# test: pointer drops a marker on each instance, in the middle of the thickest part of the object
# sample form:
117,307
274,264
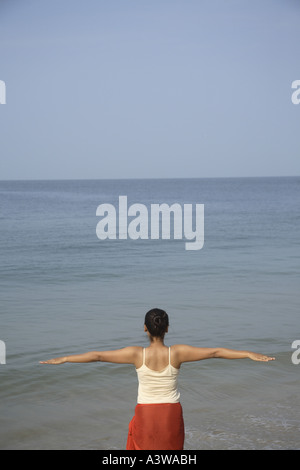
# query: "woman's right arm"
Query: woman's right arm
127,355
185,353
92,356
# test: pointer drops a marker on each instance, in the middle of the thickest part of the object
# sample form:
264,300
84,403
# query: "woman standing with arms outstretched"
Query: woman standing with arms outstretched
158,421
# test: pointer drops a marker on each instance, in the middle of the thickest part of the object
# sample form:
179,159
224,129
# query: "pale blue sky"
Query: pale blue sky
149,88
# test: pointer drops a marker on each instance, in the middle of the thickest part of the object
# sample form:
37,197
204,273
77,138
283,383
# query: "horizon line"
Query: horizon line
147,178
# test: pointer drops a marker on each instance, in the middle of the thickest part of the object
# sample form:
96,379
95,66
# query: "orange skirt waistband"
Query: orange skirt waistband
156,427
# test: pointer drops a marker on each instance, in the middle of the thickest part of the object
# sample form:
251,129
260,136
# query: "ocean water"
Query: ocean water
64,291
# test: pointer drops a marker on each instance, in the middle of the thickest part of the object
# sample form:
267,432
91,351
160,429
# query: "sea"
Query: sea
63,291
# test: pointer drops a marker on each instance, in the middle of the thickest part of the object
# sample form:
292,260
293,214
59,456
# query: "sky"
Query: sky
149,88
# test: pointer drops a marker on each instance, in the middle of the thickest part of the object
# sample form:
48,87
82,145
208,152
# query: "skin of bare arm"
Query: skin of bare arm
128,355
181,353
185,353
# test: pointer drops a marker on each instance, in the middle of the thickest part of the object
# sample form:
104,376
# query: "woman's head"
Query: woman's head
157,322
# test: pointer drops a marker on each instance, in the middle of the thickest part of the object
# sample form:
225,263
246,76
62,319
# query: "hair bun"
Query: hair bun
157,322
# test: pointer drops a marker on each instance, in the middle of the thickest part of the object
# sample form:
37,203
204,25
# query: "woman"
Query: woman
158,421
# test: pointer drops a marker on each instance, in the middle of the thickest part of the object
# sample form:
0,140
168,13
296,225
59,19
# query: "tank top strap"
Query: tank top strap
144,355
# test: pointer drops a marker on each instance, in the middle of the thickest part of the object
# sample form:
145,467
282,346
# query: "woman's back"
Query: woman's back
157,378
156,358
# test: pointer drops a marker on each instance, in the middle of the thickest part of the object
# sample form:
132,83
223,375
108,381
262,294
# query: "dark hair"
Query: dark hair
157,322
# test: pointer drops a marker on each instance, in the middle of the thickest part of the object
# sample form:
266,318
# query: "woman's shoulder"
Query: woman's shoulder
177,351
135,350
187,353
175,348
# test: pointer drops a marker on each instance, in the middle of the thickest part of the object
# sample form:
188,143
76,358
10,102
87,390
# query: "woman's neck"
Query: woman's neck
155,341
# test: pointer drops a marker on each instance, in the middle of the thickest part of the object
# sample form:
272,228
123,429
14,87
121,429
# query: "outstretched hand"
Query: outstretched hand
260,357
56,361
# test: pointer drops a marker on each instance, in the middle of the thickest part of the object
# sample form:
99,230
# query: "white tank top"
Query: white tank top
157,386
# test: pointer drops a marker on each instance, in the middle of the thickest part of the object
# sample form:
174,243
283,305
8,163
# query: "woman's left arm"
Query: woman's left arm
185,353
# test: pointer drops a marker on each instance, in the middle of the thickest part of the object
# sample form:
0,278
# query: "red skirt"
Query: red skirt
156,427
